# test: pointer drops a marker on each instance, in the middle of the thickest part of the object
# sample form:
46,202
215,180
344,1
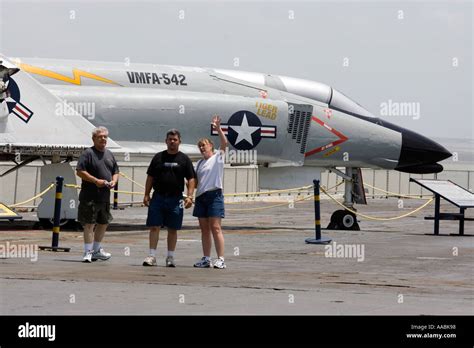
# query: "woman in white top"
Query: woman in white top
209,206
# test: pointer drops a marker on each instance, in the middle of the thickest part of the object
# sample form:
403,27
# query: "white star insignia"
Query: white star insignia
244,131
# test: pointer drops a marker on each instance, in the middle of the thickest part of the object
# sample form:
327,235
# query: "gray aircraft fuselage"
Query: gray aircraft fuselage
284,119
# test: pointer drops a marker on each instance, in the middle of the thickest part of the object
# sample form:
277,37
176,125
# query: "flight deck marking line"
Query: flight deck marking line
75,80
342,138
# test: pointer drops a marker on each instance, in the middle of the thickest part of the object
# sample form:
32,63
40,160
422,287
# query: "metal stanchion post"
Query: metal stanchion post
57,218
115,207
317,218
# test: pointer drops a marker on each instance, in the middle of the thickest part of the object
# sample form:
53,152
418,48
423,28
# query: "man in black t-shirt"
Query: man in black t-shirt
166,175
99,173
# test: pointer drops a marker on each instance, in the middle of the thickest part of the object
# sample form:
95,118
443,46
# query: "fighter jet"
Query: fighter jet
295,126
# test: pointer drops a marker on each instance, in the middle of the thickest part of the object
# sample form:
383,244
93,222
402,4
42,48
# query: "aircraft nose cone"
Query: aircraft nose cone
421,152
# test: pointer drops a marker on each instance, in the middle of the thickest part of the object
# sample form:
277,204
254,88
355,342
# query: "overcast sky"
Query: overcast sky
377,53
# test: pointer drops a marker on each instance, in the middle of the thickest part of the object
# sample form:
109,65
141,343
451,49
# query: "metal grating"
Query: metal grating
291,121
298,124
305,131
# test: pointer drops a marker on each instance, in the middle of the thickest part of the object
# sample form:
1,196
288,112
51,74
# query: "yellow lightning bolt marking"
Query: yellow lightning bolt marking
77,74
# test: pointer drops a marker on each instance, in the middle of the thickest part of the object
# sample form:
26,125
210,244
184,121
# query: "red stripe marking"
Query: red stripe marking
21,111
342,138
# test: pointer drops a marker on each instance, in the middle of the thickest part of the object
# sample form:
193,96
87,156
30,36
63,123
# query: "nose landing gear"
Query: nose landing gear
343,220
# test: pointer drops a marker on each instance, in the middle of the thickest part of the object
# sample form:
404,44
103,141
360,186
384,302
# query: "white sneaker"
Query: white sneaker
170,262
219,263
101,254
149,261
203,263
87,257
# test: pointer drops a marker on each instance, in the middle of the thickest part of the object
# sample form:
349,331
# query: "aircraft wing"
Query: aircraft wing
34,121
138,151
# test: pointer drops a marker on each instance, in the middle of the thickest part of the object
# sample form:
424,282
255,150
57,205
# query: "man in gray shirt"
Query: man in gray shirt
99,172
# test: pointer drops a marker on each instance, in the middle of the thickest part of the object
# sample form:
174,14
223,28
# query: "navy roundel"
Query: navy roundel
244,130
14,94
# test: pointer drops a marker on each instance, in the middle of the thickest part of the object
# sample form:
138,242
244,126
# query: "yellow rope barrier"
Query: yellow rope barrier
128,192
382,190
285,203
32,199
261,193
129,178
119,191
310,186
395,194
257,194
272,206
261,208
266,192
337,185
376,218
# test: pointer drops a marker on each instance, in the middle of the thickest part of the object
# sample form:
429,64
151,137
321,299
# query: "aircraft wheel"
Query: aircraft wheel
343,220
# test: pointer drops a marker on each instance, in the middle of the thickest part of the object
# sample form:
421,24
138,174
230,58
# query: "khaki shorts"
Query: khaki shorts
90,212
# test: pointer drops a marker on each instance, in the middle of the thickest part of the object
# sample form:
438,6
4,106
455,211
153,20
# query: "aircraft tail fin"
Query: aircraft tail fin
34,121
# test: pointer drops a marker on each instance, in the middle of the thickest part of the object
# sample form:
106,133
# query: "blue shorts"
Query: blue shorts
209,204
165,211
